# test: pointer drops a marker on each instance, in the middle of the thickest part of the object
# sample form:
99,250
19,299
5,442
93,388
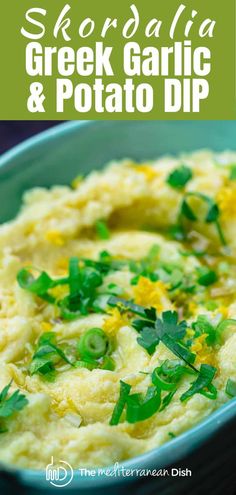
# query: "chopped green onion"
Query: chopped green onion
177,232
119,407
169,374
206,276
203,326
167,399
82,282
193,253
179,350
146,266
102,230
93,344
66,312
139,408
108,364
46,356
221,327
80,301
231,388
160,382
40,285
135,308
203,384
74,276
232,172
89,364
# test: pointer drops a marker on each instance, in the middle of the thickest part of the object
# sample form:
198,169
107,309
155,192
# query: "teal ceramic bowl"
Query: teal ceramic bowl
57,156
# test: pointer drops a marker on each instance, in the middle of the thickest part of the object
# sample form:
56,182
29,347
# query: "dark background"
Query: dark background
14,131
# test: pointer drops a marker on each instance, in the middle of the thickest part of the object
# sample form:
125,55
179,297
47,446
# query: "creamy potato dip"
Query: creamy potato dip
96,377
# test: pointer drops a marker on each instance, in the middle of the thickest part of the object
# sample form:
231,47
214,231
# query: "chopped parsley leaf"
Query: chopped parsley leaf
10,404
212,215
152,329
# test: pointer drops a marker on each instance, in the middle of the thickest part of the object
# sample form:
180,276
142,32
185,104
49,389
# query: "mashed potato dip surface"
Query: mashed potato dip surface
117,311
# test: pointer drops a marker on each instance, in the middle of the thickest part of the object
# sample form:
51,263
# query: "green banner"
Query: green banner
137,59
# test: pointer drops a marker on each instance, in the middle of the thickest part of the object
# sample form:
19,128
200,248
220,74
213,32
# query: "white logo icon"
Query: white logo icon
59,476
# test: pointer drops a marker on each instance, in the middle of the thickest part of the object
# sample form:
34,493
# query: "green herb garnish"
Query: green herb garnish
119,407
82,281
167,377
206,276
10,404
203,384
180,177
233,172
89,364
152,329
39,286
146,267
221,327
214,333
198,254
102,230
177,232
108,364
212,215
46,356
140,408
93,344
231,388
203,326
128,305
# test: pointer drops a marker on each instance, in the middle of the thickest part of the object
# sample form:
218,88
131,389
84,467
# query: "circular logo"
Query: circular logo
61,475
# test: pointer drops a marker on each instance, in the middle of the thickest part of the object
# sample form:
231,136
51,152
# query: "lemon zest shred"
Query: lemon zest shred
148,293
115,321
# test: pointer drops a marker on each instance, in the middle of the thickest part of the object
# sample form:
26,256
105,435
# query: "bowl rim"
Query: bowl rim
159,457
55,131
